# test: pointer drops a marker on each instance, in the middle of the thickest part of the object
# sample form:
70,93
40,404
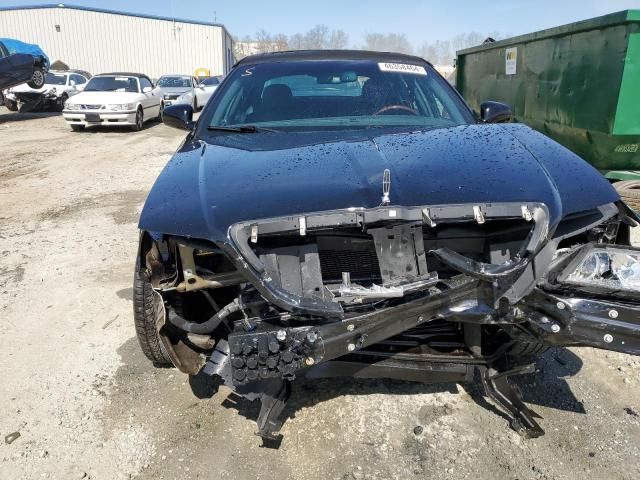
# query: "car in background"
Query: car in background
205,88
114,99
58,87
172,87
22,62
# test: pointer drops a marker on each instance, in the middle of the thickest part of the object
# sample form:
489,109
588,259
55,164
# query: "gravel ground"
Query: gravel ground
87,404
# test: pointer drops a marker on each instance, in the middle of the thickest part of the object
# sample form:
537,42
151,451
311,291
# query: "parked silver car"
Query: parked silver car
201,95
172,87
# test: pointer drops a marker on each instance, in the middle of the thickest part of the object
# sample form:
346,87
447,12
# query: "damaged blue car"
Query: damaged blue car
22,63
345,213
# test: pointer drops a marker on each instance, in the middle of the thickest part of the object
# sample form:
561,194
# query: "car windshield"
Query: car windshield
55,79
210,81
112,84
342,94
174,82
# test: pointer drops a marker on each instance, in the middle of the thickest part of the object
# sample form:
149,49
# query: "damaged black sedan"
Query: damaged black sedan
347,214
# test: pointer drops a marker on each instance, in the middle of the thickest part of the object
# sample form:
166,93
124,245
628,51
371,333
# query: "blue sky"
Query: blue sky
421,20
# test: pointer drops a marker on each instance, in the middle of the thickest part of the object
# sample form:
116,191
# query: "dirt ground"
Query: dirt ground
87,404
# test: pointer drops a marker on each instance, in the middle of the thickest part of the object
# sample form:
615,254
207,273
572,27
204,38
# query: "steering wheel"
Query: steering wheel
388,108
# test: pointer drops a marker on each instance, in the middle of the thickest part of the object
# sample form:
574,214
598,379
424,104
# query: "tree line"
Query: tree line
320,37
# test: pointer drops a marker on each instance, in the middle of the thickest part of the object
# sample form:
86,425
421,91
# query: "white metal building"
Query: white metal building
99,40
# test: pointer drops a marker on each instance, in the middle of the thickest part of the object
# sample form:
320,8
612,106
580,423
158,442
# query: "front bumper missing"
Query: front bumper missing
242,234
324,337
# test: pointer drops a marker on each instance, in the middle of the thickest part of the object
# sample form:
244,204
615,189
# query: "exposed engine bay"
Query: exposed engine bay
432,293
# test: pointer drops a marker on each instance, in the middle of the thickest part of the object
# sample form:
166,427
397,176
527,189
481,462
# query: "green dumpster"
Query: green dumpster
578,84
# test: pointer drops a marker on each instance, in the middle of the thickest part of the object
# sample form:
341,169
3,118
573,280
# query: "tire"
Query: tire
195,104
11,105
139,120
144,316
630,192
60,102
77,128
525,349
37,79
161,112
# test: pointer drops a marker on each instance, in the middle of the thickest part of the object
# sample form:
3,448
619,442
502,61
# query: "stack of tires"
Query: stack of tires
629,190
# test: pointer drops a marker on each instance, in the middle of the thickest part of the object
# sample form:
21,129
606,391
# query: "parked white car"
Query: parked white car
203,92
114,99
59,86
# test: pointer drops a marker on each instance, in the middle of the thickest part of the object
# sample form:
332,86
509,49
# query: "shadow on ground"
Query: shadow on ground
140,385
547,387
7,116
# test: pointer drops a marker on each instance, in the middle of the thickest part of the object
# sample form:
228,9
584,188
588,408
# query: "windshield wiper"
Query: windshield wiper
240,129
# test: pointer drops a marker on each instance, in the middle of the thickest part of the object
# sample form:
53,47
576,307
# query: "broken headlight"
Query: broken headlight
608,267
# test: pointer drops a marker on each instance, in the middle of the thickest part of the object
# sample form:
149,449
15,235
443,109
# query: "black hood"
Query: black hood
224,178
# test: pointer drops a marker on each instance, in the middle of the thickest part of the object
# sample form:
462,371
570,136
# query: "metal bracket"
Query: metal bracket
497,387
274,399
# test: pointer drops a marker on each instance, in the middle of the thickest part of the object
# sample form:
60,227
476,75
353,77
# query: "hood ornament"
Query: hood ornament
386,187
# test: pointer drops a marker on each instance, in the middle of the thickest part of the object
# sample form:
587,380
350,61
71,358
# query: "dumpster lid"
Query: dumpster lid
624,16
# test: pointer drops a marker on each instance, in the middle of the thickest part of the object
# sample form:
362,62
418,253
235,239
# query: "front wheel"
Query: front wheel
11,105
77,128
60,102
147,306
630,193
524,348
161,112
37,79
139,120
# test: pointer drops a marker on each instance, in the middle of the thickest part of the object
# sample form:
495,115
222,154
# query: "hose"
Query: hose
208,326
211,324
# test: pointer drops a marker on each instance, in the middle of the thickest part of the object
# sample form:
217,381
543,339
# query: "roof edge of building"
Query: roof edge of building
114,12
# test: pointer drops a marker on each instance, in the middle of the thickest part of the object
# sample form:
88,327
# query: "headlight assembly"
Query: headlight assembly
71,106
607,267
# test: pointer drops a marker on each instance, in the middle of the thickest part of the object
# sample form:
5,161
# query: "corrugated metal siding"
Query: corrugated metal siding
103,42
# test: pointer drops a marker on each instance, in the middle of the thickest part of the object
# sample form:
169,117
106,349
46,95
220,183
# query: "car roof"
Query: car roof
176,75
124,74
72,70
302,55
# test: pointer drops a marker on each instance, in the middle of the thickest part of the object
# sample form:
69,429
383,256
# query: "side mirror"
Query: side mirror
179,116
72,83
495,112
80,88
147,89
201,86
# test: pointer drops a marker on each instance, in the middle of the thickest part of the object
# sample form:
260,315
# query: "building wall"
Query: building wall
104,42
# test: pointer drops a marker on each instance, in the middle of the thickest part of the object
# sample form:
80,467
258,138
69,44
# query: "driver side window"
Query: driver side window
79,79
3,51
144,83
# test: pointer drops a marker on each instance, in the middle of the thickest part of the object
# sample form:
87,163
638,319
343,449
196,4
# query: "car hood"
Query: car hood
92,98
209,185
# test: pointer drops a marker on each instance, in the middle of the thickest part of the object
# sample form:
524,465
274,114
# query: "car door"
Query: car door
79,82
150,100
14,69
200,93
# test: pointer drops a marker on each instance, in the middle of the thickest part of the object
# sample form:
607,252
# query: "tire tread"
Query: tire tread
144,317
